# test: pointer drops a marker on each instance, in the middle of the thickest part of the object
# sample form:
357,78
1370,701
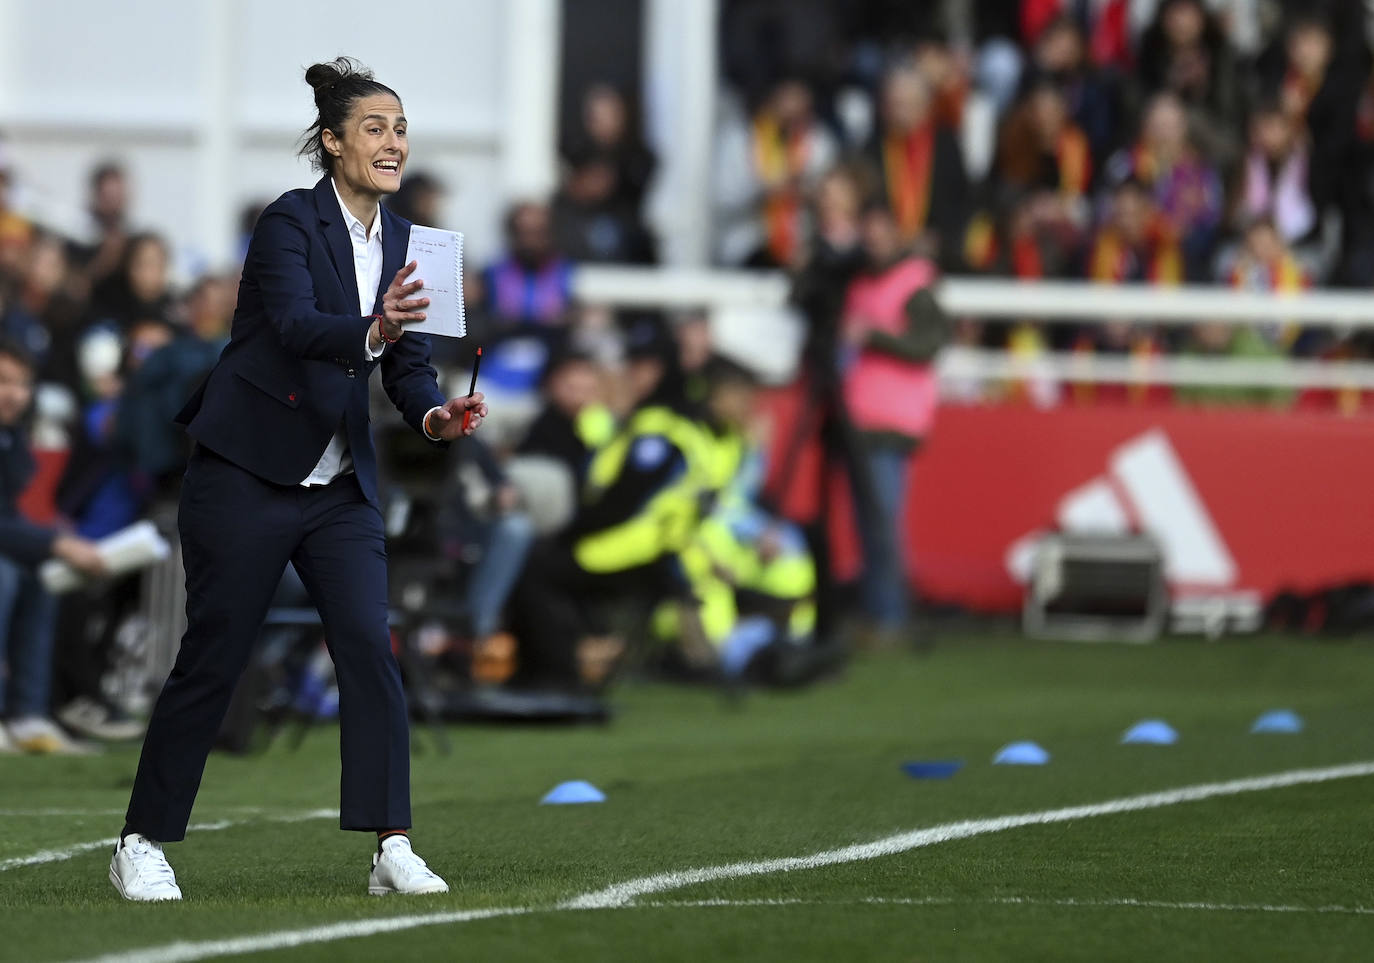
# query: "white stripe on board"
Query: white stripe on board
623,894
76,849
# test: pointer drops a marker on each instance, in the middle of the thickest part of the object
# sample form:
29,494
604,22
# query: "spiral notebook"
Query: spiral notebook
440,265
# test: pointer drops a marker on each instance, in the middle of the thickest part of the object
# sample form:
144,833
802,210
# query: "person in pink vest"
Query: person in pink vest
891,327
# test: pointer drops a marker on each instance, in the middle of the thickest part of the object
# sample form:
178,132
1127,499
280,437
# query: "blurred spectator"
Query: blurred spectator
27,610
948,77
751,575
1264,263
1221,340
593,219
1105,22
923,177
695,352
1041,148
1060,57
1134,242
1186,189
148,438
1185,52
99,491
418,199
834,257
52,314
892,329
1276,179
561,431
532,283
108,206
1309,48
640,505
764,174
610,134
483,510
140,287
1034,234
15,229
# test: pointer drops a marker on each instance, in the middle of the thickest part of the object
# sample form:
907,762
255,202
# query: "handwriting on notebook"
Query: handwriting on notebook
439,257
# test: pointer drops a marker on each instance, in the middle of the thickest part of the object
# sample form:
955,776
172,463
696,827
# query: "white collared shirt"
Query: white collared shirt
367,271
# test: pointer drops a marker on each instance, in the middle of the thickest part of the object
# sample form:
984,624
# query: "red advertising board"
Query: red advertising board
1241,499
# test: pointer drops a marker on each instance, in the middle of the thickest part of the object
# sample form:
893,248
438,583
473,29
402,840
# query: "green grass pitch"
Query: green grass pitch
1283,874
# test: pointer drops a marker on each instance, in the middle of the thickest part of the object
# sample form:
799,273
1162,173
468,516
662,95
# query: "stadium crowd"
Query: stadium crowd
619,490
1154,141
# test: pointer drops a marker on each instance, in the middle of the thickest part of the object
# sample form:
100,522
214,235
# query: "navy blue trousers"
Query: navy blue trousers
237,534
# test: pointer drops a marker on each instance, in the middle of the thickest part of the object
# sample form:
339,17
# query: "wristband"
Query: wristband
381,328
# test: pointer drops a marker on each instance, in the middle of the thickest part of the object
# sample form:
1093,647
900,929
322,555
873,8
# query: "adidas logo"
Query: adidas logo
1145,488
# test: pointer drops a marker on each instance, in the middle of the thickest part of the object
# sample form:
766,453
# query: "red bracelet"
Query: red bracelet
381,329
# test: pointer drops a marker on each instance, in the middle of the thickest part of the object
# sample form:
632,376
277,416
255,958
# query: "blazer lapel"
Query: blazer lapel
336,234
395,242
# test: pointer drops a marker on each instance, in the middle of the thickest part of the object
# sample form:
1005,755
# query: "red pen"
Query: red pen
472,388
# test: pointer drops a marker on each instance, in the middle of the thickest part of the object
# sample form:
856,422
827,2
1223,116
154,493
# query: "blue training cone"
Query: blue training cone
932,769
1150,732
1278,720
1021,754
570,793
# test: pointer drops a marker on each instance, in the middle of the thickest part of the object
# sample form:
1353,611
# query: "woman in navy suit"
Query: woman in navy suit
284,470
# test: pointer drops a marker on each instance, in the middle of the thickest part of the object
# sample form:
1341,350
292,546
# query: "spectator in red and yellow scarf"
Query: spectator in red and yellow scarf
1135,243
923,176
1185,187
765,176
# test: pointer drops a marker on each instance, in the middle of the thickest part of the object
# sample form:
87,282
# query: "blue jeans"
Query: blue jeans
28,615
503,559
884,584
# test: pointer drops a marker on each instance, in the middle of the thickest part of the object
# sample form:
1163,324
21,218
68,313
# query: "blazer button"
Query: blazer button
350,372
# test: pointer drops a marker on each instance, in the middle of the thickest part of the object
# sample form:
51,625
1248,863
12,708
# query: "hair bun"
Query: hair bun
325,75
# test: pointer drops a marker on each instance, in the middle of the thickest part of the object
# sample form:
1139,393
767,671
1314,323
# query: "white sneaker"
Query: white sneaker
7,746
140,871
398,870
43,736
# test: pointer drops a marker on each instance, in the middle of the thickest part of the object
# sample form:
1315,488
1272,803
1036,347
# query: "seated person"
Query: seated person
751,575
639,506
27,610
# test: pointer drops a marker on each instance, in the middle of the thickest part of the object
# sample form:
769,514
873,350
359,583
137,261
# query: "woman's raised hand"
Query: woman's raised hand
398,307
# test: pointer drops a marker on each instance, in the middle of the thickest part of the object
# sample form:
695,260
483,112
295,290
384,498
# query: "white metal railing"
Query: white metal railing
961,364
754,324
1050,301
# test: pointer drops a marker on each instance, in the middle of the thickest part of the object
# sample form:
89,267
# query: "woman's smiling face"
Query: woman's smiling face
371,153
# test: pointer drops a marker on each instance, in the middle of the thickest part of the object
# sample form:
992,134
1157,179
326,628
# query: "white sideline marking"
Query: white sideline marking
286,939
256,810
76,849
622,895
61,812
1015,901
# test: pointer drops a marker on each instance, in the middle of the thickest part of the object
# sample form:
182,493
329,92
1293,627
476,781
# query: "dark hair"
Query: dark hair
16,352
103,170
337,85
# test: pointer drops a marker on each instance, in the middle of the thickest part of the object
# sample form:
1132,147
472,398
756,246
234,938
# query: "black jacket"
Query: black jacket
294,367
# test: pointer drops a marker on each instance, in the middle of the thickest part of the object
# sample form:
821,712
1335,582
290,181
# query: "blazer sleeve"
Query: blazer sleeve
410,381
277,257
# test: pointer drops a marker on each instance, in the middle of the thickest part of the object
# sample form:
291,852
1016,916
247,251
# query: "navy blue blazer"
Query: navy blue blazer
295,367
